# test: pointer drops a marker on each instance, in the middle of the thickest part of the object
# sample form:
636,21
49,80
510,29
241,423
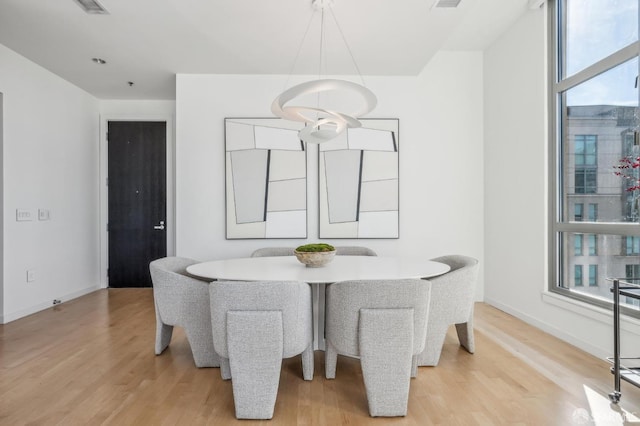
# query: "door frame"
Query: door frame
104,193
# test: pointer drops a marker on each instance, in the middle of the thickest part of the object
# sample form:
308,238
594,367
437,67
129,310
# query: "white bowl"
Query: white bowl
315,259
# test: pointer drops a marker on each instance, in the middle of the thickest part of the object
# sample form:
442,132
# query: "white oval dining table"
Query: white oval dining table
341,268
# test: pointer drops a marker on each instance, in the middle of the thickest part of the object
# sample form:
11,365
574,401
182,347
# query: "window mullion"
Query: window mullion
611,61
616,228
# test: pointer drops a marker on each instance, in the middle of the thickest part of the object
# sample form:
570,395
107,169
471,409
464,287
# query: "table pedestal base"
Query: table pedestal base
317,299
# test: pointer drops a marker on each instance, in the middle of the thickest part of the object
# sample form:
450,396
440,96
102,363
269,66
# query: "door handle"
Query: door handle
161,226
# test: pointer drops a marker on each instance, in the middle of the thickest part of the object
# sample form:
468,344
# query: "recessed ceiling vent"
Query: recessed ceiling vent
447,3
92,7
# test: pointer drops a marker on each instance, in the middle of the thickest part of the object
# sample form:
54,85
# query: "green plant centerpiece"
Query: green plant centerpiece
316,247
315,255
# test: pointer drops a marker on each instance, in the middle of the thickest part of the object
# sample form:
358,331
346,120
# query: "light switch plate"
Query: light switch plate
23,215
43,214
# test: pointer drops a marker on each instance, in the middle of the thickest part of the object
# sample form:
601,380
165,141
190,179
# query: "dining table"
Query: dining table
341,268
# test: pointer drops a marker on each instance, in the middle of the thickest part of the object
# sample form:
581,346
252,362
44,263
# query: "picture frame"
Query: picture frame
358,178
265,179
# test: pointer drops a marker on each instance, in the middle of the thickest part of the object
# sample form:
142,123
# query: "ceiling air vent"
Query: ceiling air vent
92,6
446,3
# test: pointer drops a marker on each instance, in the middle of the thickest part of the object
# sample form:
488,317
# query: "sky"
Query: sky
596,29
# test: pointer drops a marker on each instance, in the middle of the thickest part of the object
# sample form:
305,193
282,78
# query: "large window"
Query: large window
595,146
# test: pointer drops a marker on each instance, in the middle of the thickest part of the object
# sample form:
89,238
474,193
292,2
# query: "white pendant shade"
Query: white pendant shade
333,123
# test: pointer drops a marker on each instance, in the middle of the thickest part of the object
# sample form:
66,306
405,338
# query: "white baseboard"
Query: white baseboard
551,329
12,316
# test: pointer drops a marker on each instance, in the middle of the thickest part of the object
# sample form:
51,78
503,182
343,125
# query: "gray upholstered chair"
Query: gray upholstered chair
255,325
273,251
383,323
183,301
354,251
288,251
452,297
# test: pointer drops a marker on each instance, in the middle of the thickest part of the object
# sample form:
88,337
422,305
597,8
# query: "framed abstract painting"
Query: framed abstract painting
266,179
359,182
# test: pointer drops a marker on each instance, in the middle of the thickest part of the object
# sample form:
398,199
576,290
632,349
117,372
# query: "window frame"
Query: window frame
575,210
578,245
592,244
578,275
635,246
560,228
589,178
586,140
593,275
634,268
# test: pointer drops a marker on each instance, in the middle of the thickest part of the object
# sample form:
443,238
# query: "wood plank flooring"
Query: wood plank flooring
90,361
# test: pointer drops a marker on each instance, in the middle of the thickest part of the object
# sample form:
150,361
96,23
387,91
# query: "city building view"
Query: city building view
600,180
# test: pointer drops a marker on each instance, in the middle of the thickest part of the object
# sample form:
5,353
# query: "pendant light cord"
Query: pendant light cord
321,43
320,55
295,61
344,40
347,44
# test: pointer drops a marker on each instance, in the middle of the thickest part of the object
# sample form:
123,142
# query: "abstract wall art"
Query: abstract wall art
358,182
266,179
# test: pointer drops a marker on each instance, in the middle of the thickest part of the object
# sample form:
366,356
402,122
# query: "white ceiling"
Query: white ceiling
149,41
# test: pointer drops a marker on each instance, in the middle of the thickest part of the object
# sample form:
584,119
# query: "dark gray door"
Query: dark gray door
137,200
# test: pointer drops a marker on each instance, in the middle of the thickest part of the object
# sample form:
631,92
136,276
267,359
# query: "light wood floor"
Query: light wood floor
90,361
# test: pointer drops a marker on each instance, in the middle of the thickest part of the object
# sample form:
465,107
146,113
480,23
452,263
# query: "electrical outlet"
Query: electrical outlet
31,275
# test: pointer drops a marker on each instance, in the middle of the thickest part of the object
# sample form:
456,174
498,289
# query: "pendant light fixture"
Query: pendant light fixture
324,124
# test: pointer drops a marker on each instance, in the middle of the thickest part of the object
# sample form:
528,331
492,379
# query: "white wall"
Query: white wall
137,109
441,164
516,193
50,161
1,209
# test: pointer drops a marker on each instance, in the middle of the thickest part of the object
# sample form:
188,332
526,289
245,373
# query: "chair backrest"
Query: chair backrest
345,299
170,265
173,288
273,251
288,251
292,298
354,251
453,294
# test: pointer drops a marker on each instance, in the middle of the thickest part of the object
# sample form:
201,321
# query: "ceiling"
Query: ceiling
148,42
